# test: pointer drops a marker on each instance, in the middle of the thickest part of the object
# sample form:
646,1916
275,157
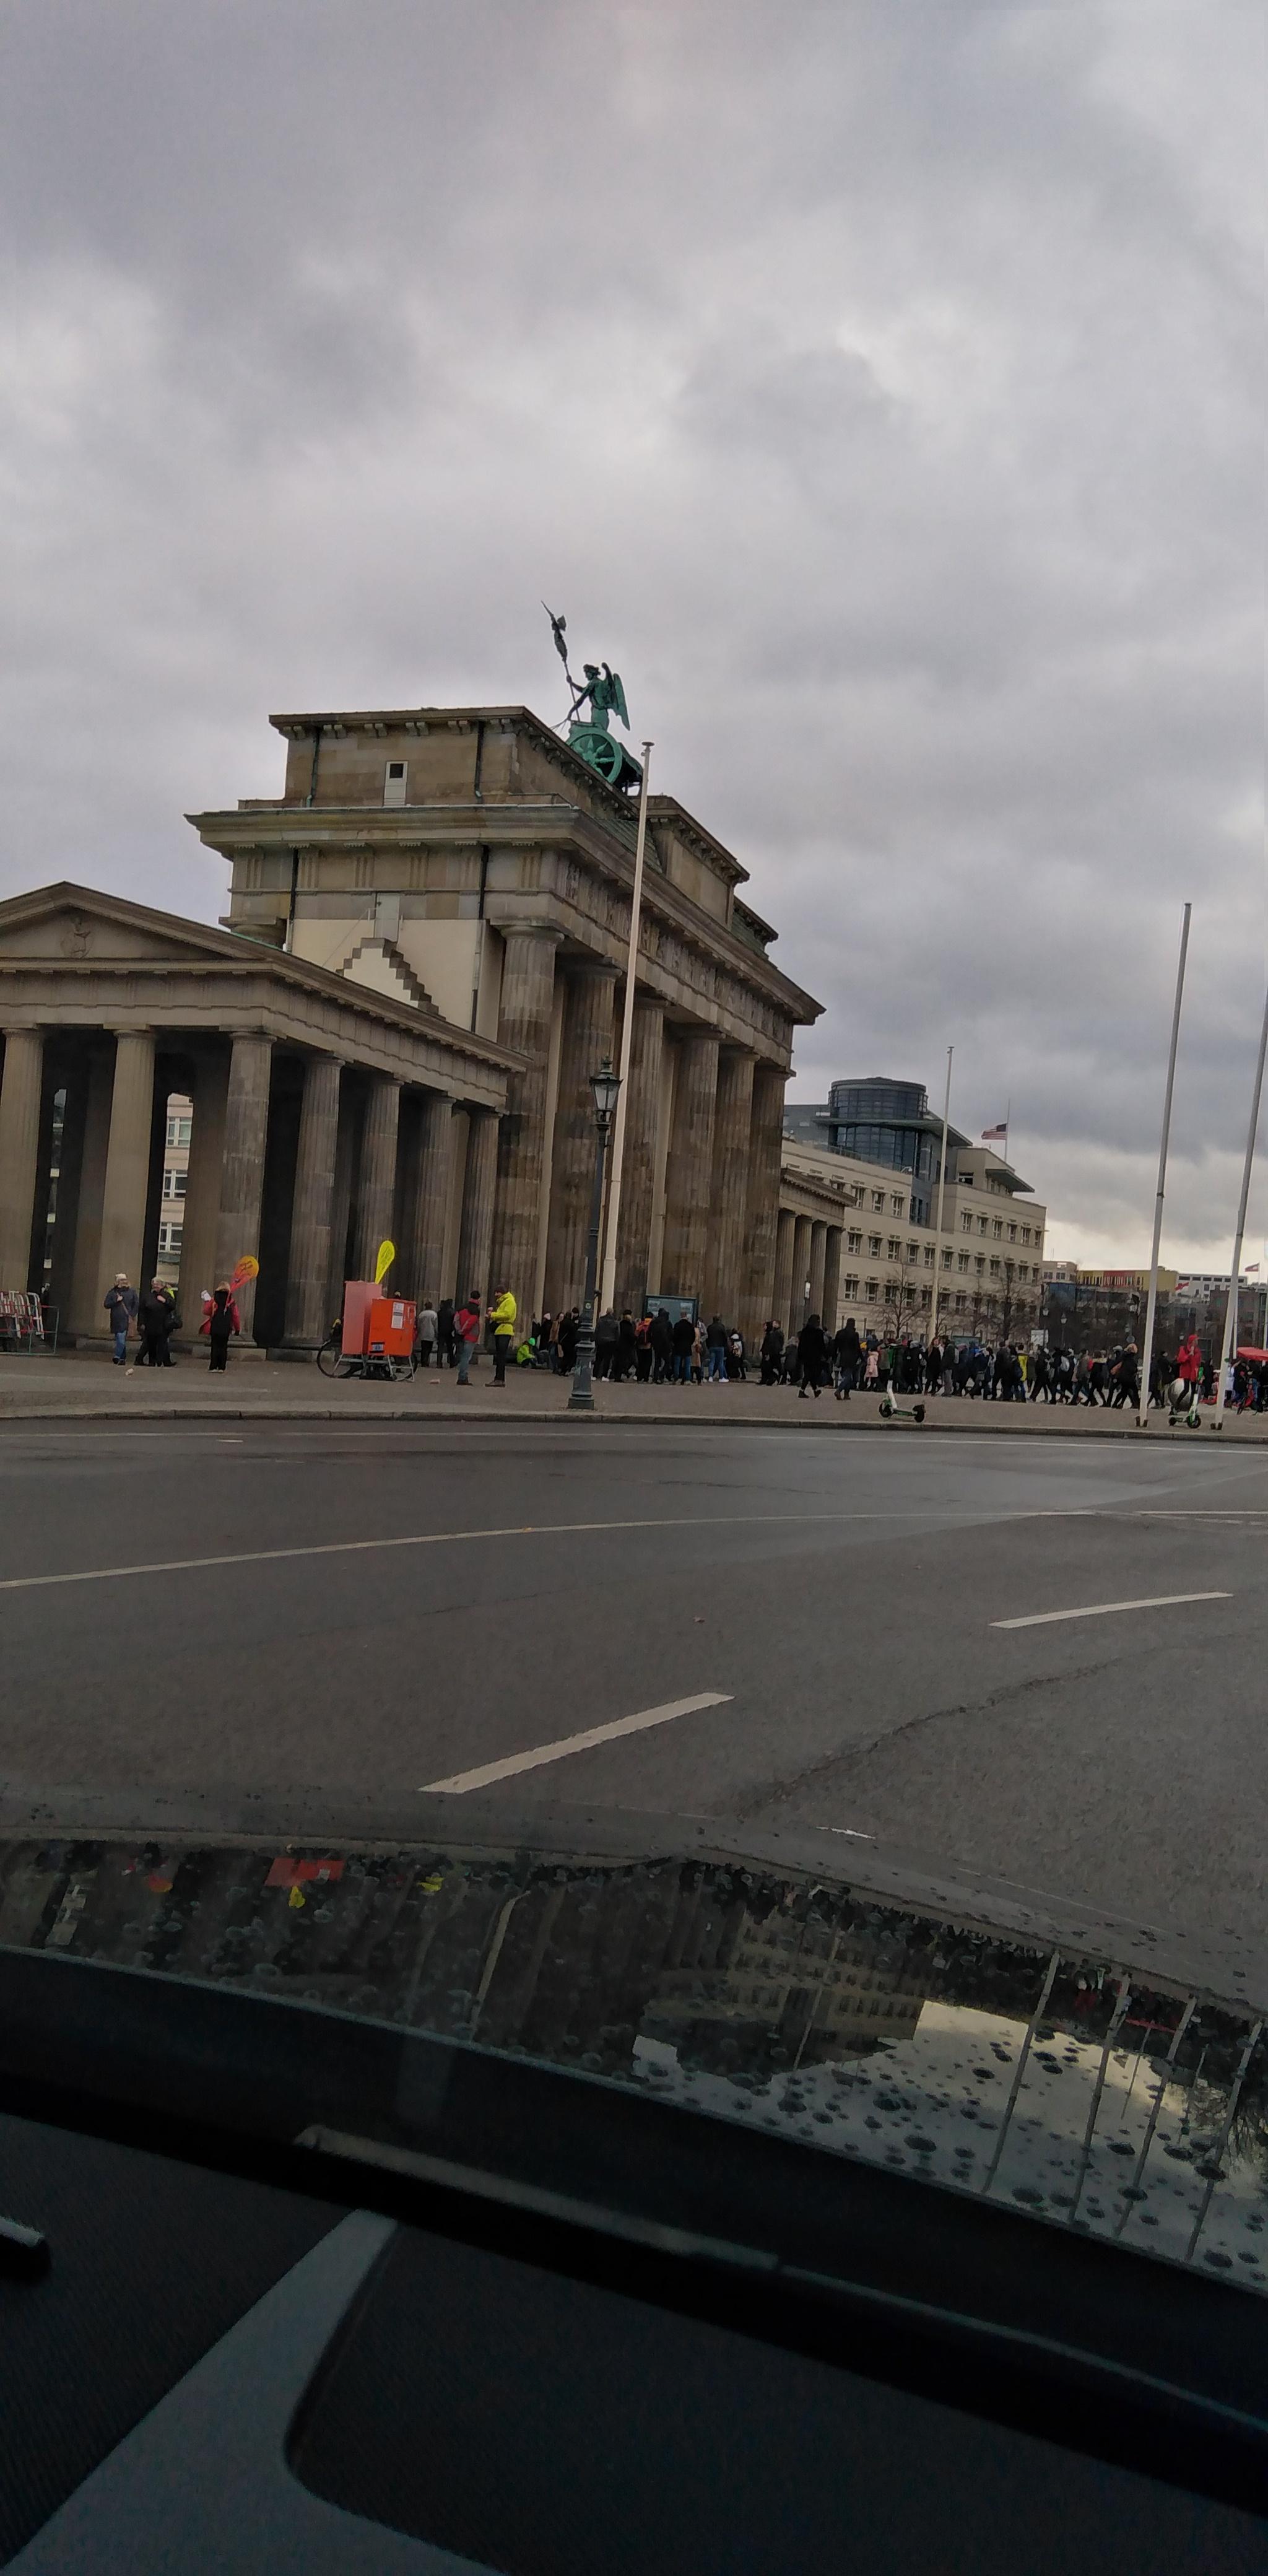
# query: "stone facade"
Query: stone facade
464,860
325,1114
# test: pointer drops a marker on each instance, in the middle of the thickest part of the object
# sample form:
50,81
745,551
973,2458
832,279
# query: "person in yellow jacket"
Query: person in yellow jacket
502,1314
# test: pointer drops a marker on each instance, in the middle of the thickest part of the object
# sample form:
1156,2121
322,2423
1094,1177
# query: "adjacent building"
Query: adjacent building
858,1221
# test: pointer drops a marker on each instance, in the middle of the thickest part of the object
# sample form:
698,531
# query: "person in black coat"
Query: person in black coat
684,1344
847,1351
812,1352
772,1352
660,1335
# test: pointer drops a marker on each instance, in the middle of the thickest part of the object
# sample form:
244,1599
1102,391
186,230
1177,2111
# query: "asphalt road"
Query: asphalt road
402,1607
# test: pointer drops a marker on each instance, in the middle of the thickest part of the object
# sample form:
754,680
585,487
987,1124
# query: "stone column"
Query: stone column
832,1280
638,1178
201,1219
684,1262
727,1263
818,1256
20,1092
478,1185
127,1184
802,1236
587,1039
765,1155
782,1302
88,1287
242,1171
376,1188
69,1177
528,992
433,1186
307,1322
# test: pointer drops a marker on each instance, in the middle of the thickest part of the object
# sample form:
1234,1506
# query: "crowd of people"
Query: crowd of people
658,1348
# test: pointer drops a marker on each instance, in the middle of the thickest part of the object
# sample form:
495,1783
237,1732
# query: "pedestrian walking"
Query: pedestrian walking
467,1327
120,1303
219,1324
812,1351
446,1338
660,1334
428,1324
156,1322
643,1353
715,1347
684,1342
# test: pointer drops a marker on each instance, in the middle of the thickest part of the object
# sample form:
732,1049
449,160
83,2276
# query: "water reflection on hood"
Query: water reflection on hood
1055,2081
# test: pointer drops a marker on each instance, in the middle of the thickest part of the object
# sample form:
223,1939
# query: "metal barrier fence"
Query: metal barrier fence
26,1324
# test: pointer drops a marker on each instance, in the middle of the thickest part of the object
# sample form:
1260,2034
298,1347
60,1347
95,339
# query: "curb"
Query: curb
954,1424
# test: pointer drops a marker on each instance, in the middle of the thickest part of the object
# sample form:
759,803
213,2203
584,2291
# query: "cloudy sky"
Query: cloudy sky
879,386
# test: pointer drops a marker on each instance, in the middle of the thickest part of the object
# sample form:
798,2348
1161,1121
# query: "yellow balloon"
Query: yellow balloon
387,1255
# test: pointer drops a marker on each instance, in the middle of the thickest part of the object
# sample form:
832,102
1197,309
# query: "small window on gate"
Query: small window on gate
394,783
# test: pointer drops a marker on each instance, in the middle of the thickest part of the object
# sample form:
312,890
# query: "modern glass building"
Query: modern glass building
881,1121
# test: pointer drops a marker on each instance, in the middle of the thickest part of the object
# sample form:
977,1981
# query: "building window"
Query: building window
1012,1234
894,1248
175,1184
897,1204
872,1291
946,1256
961,1302
394,783
1025,1234
878,1202
170,1237
980,1265
874,1246
997,1229
981,1225
926,1296
930,1256
854,1241
966,1225
852,1284
179,1130
962,1262
995,1267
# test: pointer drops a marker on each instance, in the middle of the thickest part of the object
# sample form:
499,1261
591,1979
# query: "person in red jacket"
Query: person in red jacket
467,1324
1189,1360
221,1319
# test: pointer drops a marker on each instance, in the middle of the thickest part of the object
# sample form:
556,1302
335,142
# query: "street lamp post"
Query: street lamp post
605,1085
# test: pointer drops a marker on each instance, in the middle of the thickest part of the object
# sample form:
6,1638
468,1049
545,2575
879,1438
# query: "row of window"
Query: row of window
995,1226
867,1291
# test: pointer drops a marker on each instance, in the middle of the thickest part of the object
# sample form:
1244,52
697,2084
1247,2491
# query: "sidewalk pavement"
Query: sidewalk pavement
85,1386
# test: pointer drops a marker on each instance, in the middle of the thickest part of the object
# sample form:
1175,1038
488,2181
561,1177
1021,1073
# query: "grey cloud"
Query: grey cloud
881,389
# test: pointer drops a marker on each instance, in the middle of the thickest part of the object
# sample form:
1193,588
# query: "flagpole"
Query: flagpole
607,1287
1146,1356
942,1184
1232,1310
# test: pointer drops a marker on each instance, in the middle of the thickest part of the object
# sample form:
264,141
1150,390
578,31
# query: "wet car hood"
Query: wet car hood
1061,2075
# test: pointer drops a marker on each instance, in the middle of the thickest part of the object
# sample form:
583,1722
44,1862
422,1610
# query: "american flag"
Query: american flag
991,1135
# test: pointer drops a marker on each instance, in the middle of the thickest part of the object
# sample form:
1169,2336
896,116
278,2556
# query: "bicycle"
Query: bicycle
334,1361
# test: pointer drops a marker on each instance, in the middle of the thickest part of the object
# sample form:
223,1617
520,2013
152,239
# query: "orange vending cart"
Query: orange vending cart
378,1331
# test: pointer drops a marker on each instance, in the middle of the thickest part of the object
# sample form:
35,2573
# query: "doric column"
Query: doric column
818,1256
376,1187
20,1089
200,1220
725,1277
127,1184
433,1188
801,1272
307,1321
766,1145
528,992
638,1177
782,1303
685,1259
242,1171
832,1280
88,1286
479,1182
587,1039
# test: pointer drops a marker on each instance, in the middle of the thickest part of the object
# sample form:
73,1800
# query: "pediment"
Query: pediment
65,924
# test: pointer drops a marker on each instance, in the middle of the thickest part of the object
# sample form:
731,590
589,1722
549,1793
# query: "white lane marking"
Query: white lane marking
488,1772
450,1538
1104,1609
